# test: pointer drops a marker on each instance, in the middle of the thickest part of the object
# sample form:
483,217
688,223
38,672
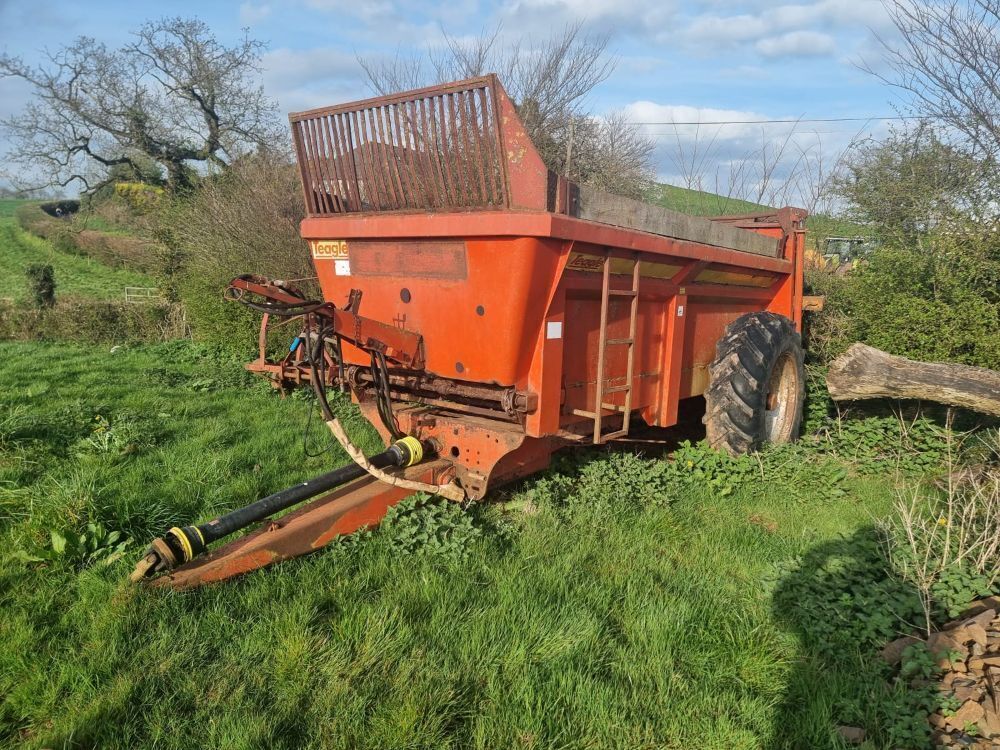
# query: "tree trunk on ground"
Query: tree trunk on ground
865,372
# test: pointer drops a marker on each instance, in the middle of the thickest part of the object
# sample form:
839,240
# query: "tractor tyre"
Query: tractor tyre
756,391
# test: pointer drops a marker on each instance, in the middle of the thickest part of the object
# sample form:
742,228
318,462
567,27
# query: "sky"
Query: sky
676,62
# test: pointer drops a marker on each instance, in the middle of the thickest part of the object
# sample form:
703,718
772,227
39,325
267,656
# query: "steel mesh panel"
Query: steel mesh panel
434,149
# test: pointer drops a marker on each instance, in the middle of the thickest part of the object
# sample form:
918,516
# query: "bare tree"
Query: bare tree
947,58
769,174
549,81
692,154
610,153
812,184
175,95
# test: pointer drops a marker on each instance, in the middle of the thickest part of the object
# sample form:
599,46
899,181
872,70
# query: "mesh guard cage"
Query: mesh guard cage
430,149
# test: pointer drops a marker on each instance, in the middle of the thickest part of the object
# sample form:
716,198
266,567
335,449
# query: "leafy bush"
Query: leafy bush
620,481
427,525
875,444
931,291
614,481
140,197
924,304
95,545
42,284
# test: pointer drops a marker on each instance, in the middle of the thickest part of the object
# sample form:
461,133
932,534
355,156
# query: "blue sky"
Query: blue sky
677,61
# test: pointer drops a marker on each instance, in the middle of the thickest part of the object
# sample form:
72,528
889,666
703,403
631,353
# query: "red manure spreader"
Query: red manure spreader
484,312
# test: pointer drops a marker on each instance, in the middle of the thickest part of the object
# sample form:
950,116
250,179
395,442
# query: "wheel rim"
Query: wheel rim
782,391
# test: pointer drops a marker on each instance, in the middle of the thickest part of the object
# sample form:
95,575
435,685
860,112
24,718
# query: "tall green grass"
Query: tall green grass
8,206
590,625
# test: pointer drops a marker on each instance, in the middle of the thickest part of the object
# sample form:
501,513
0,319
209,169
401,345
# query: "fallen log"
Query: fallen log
865,372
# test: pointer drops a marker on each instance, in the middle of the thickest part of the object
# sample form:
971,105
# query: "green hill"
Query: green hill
699,203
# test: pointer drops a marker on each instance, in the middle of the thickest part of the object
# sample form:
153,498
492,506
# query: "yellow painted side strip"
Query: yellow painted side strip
732,278
620,266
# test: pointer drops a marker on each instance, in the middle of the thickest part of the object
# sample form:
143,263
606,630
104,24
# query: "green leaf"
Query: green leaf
58,542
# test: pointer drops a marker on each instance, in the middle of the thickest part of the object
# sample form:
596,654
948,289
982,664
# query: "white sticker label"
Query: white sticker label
553,330
680,310
342,267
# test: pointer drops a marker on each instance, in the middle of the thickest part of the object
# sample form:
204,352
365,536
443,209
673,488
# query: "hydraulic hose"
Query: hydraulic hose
182,544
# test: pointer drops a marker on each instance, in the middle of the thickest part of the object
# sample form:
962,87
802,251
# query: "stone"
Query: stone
943,740
961,681
990,723
942,643
853,735
937,721
893,652
968,693
976,664
969,713
975,633
989,602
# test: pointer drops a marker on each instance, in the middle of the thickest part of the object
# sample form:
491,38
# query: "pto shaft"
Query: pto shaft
181,545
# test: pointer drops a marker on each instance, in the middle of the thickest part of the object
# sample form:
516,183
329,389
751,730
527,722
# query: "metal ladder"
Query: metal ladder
602,345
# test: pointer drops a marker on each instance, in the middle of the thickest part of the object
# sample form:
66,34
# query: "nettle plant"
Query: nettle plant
427,525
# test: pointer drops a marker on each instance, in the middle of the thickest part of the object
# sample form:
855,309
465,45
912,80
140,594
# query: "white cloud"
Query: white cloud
366,10
303,79
803,29
252,13
287,68
797,44
726,29
647,111
540,16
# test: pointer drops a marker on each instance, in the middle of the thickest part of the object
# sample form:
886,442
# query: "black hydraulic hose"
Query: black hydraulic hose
268,506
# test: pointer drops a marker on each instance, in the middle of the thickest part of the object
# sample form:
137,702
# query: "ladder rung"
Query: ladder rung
612,407
618,389
582,413
613,435
622,292
612,342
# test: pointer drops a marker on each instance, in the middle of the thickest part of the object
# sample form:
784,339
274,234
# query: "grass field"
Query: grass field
75,274
594,622
618,611
700,203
